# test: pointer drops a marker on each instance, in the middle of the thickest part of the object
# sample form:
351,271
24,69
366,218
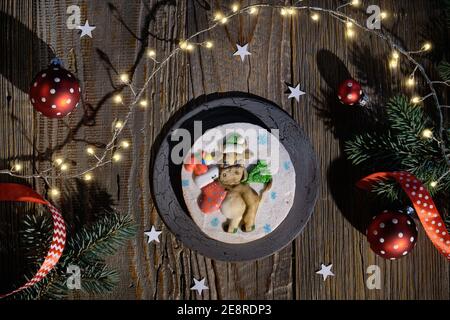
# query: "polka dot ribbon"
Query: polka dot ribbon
19,193
423,204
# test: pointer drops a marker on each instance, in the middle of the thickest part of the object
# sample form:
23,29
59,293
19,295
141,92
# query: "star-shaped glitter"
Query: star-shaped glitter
153,235
199,286
296,92
86,30
325,271
242,51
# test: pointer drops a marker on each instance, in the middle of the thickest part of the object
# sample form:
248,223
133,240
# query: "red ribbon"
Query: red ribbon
423,204
20,193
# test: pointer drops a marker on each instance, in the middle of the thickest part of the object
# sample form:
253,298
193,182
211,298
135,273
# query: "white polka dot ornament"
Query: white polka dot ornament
55,92
392,235
432,222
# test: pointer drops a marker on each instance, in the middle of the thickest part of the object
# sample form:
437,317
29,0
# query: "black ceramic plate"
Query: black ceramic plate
218,110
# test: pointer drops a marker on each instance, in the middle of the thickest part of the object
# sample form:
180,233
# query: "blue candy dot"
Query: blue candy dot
273,195
185,183
287,165
262,139
267,228
215,222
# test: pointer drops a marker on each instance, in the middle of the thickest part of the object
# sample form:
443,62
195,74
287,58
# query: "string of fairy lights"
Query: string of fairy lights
113,152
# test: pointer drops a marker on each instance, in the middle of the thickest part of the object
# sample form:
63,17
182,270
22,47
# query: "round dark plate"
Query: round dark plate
217,110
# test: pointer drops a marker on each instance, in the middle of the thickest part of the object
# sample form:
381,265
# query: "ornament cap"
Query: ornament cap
410,211
56,62
364,100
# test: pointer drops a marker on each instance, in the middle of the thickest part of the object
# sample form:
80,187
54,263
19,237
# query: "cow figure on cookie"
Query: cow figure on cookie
224,185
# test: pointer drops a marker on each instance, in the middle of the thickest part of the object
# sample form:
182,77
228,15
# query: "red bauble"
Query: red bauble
55,92
392,235
350,93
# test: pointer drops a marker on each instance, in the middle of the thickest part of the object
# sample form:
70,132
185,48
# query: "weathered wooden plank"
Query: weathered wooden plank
283,50
20,56
332,236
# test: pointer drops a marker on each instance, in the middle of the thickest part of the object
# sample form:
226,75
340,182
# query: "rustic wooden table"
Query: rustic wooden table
283,50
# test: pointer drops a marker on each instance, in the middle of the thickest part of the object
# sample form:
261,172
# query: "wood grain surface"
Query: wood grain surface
284,50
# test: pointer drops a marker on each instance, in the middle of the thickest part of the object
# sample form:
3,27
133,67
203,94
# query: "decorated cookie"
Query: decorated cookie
248,188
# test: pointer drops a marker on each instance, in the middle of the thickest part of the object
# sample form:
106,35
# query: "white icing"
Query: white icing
275,204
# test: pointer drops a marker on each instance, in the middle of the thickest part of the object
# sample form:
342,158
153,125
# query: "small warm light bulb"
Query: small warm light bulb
209,44
59,161
427,46
427,134
218,16
253,10
18,167
393,63
118,98
384,15
235,7
356,3
125,78
54,192
416,100
64,167
283,12
410,82
90,151
143,103
434,184
291,11
151,53
118,125
315,17
224,20
117,157
395,55
88,177
125,144
190,47
351,33
183,45
349,24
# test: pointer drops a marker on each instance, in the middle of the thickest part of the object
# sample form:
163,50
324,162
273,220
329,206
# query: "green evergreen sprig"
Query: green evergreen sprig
401,146
87,248
444,71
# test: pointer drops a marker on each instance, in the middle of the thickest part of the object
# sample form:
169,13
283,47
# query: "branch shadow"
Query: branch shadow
90,111
20,61
344,122
436,31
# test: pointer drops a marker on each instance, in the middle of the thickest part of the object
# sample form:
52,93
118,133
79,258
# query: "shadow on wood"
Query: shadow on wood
345,122
12,258
21,60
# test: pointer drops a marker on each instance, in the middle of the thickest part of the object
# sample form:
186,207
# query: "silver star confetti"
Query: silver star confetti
296,92
242,51
86,30
325,271
199,286
153,235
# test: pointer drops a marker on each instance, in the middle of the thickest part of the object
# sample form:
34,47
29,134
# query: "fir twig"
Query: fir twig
401,147
86,249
